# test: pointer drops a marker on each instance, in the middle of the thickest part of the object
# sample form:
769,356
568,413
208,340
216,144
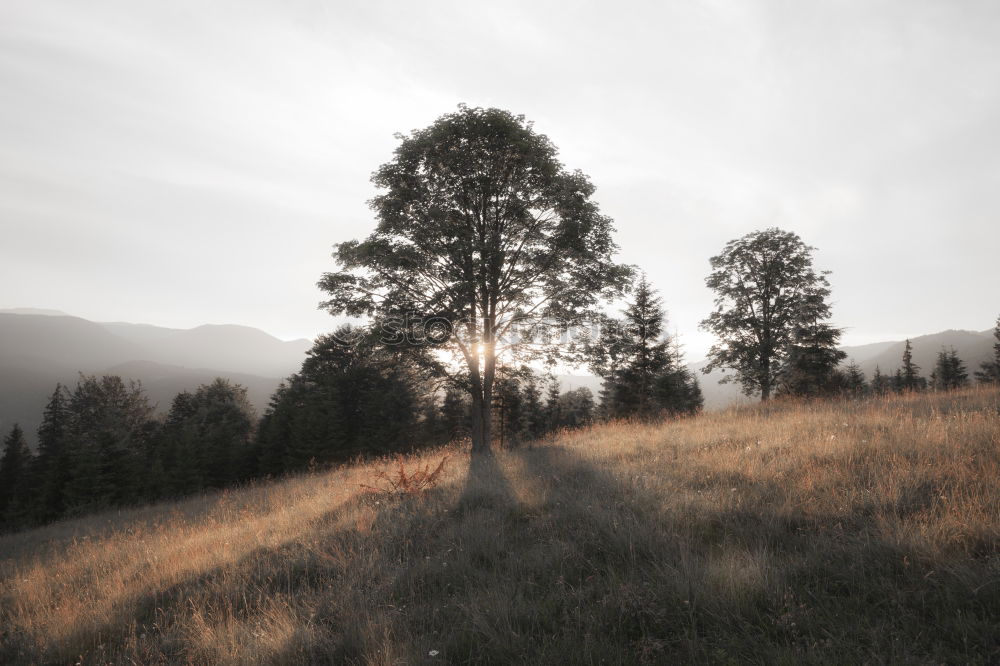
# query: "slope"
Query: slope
833,533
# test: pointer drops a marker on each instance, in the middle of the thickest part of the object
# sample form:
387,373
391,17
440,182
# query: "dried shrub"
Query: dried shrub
403,482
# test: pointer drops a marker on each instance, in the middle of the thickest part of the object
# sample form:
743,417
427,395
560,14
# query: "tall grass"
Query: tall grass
844,532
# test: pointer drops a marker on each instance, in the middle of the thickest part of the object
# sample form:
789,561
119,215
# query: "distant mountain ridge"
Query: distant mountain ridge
40,348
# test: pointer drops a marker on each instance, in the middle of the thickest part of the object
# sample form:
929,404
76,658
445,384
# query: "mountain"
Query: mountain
220,347
41,348
35,311
973,347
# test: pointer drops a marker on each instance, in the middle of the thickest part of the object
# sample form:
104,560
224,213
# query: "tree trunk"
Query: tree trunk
481,425
765,380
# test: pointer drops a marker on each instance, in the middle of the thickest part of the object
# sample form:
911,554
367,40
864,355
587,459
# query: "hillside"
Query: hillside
860,532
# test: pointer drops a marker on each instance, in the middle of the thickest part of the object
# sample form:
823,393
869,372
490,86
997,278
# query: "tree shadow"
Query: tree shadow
485,486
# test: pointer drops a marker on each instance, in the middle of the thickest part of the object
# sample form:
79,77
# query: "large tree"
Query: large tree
766,290
483,230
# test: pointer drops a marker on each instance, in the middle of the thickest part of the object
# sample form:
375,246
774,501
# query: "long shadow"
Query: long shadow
485,484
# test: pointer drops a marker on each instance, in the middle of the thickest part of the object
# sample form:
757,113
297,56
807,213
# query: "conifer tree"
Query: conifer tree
898,382
534,411
881,384
989,371
810,366
643,376
854,380
455,413
677,389
949,371
179,449
352,396
53,463
108,426
576,408
553,416
909,373
15,467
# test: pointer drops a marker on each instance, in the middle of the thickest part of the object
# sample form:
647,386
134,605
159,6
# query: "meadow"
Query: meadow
827,532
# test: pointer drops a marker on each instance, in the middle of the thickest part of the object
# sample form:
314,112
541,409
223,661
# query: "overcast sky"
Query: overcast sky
189,162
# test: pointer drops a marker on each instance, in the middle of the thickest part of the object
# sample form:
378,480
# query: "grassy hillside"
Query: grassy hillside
845,532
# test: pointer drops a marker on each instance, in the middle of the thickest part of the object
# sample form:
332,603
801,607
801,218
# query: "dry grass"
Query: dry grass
839,532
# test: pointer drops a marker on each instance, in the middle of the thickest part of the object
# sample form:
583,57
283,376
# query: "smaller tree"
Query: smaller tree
766,291
109,421
52,464
881,384
643,373
909,373
989,371
576,408
810,366
949,371
15,466
352,396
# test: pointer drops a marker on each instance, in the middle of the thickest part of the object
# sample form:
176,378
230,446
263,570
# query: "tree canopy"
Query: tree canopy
484,233
767,297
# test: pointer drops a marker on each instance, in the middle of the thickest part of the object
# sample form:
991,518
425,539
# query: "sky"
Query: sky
188,162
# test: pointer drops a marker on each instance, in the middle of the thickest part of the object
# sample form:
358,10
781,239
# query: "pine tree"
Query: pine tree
15,468
455,414
881,384
352,396
949,371
677,389
643,375
553,408
53,456
959,374
811,361
576,408
534,411
854,380
898,381
910,379
108,426
989,371
508,410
